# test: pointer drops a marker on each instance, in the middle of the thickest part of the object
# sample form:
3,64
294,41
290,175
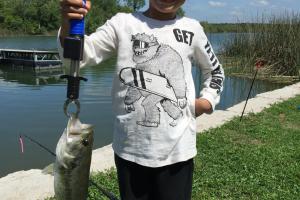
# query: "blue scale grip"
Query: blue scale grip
77,26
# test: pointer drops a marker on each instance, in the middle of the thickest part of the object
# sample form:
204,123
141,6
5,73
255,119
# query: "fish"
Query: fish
73,160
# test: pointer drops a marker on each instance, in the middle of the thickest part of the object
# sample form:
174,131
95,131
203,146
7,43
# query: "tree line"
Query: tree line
43,16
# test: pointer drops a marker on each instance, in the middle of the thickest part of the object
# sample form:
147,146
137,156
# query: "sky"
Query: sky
222,11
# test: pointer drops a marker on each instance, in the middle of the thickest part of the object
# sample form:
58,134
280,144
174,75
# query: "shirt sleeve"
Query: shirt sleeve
212,71
98,46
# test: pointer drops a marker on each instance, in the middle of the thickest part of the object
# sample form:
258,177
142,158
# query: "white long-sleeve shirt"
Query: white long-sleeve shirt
153,90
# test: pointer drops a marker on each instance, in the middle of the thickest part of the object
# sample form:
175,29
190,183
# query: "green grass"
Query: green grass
225,27
271,39
258,158
107,180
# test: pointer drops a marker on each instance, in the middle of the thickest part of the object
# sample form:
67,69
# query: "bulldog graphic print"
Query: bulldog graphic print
158,78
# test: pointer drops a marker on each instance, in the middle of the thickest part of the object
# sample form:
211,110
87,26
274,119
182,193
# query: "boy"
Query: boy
153,94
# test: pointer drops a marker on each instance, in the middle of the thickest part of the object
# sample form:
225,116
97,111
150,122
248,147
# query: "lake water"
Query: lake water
32,104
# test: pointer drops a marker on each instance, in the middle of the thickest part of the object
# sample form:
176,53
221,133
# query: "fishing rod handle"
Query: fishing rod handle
77,25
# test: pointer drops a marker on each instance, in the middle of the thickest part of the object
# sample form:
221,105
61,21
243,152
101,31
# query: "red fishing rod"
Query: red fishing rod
259,64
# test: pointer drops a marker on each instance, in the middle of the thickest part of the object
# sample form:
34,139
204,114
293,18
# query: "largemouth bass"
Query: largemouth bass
73,160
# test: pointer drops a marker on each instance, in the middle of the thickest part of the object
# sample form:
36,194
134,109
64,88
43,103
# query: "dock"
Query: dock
30,58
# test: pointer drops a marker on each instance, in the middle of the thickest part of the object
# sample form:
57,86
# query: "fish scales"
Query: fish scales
73,160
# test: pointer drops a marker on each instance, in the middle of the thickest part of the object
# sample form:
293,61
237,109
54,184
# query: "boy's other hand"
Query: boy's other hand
202,106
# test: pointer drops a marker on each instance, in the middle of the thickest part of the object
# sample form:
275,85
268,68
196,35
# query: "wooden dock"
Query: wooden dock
30,58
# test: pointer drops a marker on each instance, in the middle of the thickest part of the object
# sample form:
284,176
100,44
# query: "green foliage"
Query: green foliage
135,4
225,27
42,16
101,11
273,40
107,180
29,16
257,158
180,12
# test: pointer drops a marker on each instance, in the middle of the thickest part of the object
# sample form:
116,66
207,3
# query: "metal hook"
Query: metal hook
67,103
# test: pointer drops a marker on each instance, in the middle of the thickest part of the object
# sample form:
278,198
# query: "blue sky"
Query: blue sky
237,10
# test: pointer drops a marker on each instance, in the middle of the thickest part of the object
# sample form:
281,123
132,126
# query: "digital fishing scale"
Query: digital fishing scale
73,50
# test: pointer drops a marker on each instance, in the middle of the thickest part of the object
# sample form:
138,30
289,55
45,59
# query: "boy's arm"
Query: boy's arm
98,46
212,75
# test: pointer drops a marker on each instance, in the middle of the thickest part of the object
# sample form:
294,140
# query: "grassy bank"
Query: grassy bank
273,40
255,159
258,158
225,27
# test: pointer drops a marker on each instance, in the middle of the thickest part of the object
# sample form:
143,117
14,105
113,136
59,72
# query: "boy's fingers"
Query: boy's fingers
75,3
72,2
74,16
72,9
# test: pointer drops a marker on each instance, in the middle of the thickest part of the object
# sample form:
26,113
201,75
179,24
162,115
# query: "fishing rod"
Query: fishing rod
36,142
106,193
259,64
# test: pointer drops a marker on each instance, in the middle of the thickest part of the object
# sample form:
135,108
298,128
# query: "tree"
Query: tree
180,12
135,4
41,16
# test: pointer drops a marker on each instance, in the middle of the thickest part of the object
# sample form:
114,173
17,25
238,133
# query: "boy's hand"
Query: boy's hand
202,106
71,9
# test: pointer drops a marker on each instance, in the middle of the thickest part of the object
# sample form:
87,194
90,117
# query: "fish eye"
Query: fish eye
85,142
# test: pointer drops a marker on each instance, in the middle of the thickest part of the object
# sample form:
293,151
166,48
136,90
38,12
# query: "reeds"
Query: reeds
275,40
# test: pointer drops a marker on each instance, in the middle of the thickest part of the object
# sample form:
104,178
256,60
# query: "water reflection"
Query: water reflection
32,103
21,75
98,88
236,89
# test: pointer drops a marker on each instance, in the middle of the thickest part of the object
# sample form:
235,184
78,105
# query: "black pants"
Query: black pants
172,182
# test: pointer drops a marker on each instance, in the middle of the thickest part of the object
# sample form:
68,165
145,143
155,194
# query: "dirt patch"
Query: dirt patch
292,126
243,139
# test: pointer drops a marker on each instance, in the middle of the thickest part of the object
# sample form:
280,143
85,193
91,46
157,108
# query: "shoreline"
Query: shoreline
271,79
8,33
41,185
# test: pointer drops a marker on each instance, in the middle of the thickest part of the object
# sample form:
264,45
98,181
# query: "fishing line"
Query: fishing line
36,142
108,194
